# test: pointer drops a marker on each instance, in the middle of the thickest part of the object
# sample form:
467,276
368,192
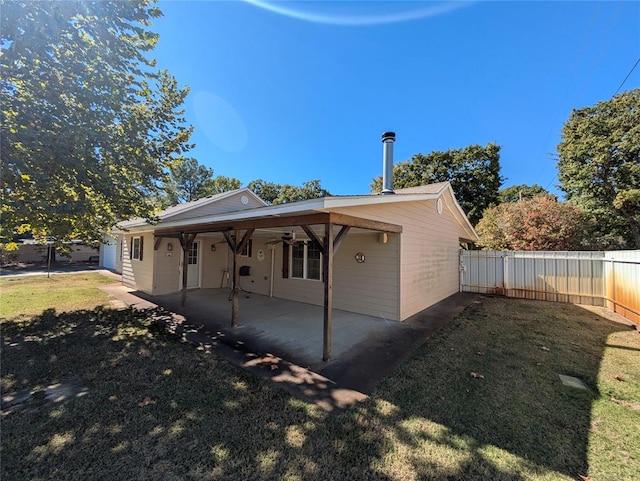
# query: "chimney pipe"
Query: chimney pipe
388,138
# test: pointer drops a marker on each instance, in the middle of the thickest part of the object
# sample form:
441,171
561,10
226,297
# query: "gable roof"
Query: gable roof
326,204
423,189
186,207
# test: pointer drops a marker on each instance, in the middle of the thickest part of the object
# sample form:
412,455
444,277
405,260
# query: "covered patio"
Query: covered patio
326,229
285,328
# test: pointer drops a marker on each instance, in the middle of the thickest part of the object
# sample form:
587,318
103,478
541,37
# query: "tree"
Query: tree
89,127
188,180
515,193
220,184
474,173
599,167
273,193
537,223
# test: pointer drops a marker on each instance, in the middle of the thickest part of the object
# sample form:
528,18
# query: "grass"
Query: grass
22,296
156,408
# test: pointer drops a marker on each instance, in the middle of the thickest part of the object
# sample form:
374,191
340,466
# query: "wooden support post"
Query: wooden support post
327,270
236,280
185,242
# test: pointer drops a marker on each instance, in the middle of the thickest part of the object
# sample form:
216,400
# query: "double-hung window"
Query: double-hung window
306,261
136,248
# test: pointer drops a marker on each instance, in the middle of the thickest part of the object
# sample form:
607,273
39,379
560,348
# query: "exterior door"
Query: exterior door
109,255
193,259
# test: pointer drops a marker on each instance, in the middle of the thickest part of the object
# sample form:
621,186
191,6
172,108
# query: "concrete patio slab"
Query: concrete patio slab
281,340
289,329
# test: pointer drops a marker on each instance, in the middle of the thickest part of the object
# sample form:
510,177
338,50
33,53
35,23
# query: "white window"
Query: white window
192,255
306,261
136,248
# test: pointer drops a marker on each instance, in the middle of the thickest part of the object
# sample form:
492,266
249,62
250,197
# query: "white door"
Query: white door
109,255
193,259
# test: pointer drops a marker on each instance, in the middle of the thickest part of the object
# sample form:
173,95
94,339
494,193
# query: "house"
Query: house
32,252
388,256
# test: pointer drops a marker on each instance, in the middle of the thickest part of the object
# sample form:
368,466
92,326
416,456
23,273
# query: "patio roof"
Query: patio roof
292,219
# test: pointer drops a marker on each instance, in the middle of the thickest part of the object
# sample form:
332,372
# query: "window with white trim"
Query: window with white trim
136,248
306,261
192,255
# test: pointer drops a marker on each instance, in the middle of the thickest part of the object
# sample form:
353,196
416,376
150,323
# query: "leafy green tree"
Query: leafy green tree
189,180
267,191
599,167
515,193
220,184
273,193
89,126
536,223
474,173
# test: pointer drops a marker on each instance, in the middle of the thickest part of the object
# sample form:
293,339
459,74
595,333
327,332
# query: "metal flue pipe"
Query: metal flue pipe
388,138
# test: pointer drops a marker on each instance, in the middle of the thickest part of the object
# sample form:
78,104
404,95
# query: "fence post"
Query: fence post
613,281
505,274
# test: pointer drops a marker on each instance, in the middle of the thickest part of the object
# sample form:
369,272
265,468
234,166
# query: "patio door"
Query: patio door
193,260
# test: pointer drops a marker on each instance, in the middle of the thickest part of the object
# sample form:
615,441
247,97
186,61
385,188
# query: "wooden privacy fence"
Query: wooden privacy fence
610,279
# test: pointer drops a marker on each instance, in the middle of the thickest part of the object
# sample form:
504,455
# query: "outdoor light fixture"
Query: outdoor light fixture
360,257
169,246
213,247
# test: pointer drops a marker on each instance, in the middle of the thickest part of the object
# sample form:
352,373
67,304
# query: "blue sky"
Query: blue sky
306,93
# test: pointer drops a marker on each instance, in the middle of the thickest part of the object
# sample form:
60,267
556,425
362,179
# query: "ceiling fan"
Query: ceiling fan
290,238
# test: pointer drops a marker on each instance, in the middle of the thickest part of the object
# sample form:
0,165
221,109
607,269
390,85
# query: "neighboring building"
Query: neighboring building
30,252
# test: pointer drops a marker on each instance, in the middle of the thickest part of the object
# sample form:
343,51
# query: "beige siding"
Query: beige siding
258,281
366,288
166,275
119,253
429,250
212,265
430,264
370,287
135,273
230,204
302,290
213,262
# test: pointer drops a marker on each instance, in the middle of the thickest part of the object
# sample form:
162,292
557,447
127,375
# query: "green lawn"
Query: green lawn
22,296
155,408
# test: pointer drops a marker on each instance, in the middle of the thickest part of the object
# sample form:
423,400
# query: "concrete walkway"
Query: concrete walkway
278,339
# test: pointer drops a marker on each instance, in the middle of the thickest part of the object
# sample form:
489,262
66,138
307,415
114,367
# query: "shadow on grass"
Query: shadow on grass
492,377
156,408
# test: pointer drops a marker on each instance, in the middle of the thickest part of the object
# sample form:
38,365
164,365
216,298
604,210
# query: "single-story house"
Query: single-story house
389,255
